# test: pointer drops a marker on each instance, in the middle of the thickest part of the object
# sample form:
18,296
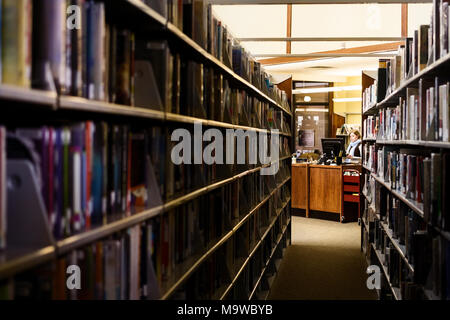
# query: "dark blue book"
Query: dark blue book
97,175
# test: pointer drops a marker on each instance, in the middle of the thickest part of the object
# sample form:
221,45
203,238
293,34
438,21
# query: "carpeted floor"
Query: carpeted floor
323,263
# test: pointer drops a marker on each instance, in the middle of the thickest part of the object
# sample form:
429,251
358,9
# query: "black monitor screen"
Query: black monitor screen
333,146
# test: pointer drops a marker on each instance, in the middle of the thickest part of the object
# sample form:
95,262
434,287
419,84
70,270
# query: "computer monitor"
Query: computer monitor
333,146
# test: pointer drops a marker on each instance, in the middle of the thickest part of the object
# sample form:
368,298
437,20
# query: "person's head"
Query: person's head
355,135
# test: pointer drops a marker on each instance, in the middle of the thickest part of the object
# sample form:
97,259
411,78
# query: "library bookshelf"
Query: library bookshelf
237,259
405,159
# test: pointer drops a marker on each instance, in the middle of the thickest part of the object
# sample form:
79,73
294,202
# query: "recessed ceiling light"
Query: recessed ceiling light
307,99
327,89
347,100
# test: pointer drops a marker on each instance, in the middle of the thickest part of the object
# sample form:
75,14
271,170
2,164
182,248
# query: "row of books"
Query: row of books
423,115
233,254
369,96
196,19
120,267
92,173
370,127
429,43
424,251
3,189
417,175
99,60
90,59
377,91
143,261
398,275
246,282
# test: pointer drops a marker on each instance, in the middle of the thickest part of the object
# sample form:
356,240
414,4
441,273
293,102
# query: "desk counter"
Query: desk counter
318,187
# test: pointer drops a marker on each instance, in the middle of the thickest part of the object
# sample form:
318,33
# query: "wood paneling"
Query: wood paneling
299,186
404,19
337,122
364,49
286,86
289,28
366,81
325,188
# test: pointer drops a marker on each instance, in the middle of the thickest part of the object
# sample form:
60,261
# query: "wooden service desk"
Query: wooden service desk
318,187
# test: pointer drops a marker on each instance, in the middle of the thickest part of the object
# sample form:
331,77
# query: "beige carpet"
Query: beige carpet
324,262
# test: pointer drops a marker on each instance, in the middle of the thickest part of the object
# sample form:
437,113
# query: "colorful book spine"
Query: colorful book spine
16,42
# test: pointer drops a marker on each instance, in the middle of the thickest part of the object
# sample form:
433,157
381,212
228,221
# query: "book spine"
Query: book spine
1,41
97,63
16,42
3,193
89,136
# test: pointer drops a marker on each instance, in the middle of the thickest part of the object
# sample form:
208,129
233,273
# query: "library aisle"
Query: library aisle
220,150
323,263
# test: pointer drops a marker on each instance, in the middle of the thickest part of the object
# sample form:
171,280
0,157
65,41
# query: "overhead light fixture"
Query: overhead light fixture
307,99
327,89
347,99
311,110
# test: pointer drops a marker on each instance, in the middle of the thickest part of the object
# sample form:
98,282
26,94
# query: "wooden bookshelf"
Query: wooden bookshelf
142,7
33,97
71,243
272,278
14,261
92,106
395,290
253,251
399,247
419,143
179,35
414,205
266,265
371,110
171,285
438,68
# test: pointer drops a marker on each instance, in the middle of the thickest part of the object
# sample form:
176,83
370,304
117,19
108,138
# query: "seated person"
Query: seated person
354,148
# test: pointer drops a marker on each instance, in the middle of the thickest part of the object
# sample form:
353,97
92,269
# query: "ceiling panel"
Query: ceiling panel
343,20
308,47
254,20
265,47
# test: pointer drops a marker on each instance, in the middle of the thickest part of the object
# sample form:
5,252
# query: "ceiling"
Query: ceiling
324,21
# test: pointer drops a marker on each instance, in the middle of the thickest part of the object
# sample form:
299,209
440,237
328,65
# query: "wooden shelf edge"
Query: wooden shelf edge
28,95
168,292
140,5
416,207
396,245
395,290
25,261
390,99
181,36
